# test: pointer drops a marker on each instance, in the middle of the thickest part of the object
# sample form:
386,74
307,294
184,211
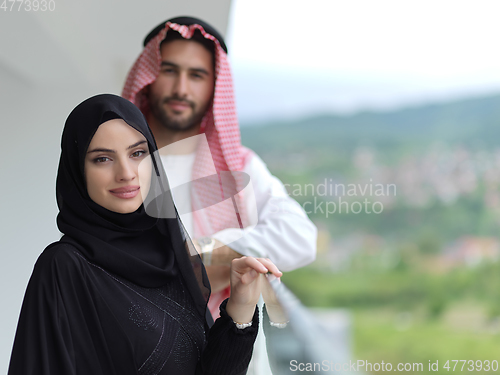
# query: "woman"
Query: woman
120,293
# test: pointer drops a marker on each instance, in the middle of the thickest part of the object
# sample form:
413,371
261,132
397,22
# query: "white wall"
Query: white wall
50,62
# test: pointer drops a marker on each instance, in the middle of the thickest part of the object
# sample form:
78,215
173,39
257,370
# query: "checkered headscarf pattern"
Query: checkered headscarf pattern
220,125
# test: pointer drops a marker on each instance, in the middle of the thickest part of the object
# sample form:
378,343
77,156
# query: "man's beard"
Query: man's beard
181,125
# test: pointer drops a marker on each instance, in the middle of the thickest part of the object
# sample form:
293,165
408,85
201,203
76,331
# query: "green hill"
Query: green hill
457,140
474,122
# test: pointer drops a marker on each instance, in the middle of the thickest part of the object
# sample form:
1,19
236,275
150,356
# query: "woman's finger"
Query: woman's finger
250,276
245,264
270,266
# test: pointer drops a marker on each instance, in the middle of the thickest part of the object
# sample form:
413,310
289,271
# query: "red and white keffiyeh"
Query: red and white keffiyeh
220,125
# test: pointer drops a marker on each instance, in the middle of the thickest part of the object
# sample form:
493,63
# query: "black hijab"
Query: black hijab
146,250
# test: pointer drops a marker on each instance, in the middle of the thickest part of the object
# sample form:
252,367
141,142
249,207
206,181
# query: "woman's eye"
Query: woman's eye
138,154
101,159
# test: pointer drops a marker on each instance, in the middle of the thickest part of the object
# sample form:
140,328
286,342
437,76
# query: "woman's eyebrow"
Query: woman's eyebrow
136,144
100,149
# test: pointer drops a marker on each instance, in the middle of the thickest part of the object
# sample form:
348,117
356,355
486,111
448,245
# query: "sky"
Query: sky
293,58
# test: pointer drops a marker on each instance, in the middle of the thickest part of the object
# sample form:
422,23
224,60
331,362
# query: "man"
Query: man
182,82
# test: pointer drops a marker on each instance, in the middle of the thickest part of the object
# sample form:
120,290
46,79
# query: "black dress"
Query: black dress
121,294
78,318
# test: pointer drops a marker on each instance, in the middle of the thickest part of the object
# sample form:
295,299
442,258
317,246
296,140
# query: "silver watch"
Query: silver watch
207,246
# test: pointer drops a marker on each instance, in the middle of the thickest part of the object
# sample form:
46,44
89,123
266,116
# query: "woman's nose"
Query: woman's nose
125,171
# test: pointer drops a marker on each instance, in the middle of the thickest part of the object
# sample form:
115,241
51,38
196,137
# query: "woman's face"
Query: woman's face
117,167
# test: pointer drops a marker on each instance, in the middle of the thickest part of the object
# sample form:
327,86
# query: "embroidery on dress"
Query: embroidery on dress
143,316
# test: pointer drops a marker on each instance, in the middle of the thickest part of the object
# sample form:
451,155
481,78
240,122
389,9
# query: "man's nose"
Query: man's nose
182,85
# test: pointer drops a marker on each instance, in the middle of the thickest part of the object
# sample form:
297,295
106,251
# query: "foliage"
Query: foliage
407,288
413,311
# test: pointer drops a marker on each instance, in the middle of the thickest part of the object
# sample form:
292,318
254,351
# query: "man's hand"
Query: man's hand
220,267
273,306
219,277
223,255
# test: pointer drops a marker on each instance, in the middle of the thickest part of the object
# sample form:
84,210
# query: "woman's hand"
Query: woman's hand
247,276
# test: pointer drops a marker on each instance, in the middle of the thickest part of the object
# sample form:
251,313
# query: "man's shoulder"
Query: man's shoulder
255,166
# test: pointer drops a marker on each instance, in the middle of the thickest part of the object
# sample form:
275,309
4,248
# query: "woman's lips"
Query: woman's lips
126,192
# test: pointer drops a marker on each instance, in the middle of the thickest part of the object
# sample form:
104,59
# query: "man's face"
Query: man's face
183,90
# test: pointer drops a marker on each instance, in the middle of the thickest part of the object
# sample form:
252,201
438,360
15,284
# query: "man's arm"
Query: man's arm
218,271
282,232
223,254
